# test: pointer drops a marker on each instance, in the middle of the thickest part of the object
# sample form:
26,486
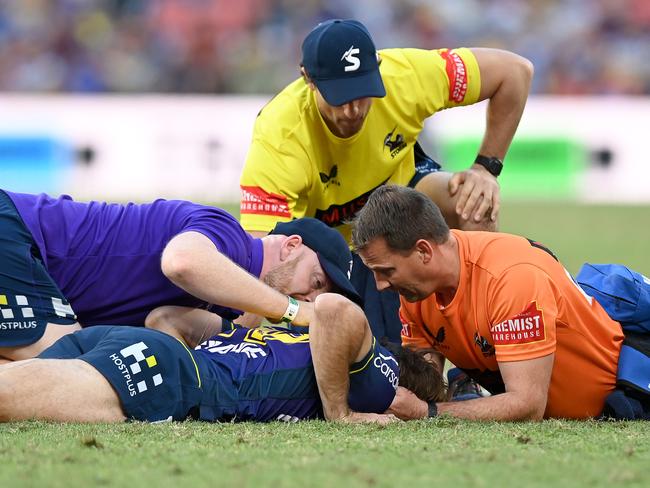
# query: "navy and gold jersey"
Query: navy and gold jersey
267,374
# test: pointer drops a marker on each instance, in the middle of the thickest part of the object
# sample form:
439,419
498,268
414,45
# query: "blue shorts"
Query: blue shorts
29,297
382,307
154,374
424,165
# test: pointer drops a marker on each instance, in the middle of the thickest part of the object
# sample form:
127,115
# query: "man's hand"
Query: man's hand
368,418
407,406
527,383
305,314
479,194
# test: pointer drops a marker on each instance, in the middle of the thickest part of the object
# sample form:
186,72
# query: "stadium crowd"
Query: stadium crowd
578,47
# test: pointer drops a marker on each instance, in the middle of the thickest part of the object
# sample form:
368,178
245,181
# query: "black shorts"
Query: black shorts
29,297
424,165
155,375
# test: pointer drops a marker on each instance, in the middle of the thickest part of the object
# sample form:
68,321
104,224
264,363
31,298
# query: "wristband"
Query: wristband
291,311
433,409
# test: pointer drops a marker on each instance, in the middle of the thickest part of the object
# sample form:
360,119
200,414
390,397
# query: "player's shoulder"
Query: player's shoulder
495,252
285,111
397,59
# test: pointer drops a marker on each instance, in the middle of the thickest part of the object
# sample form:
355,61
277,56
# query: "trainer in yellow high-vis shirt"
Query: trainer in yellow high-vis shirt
351,124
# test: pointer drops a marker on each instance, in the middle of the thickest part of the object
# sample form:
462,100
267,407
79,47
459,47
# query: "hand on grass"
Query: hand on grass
368,418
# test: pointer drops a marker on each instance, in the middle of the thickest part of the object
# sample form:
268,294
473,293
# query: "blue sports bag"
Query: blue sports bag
625,296
623,293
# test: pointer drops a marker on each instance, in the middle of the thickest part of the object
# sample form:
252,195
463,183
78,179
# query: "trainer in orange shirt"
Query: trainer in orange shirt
498,306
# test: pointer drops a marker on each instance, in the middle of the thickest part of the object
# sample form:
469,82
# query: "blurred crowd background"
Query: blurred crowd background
579,47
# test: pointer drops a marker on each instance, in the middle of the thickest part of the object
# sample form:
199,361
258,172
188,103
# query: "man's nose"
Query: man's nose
351,109
382,284
311,296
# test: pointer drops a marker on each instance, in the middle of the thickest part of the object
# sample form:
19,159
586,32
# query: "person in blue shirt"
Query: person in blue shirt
113,374
68,264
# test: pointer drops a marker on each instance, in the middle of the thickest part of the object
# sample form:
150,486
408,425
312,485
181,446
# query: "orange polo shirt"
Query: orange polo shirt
515,302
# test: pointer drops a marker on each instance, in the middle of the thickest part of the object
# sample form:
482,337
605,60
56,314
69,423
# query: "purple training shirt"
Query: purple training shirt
106,257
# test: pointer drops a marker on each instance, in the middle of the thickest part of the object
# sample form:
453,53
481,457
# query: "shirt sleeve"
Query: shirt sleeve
523,312
225,233
373,380
448,77
273,184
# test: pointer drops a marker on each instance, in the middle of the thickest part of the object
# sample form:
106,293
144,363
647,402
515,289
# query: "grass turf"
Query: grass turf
442,452
585,233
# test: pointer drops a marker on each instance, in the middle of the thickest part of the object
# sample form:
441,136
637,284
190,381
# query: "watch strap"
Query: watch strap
493,164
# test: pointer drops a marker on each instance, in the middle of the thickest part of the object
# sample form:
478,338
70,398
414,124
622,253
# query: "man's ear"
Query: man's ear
289,246
424,249
305,76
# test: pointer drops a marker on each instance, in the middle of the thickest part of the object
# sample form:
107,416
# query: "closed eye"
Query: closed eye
385,272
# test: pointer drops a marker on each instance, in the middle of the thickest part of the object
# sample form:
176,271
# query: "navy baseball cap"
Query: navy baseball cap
329,245
340,58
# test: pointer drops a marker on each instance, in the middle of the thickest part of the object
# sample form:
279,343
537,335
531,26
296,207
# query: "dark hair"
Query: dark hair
418,374
401,216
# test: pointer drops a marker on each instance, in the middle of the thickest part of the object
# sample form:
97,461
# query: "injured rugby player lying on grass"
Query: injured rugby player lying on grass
111,374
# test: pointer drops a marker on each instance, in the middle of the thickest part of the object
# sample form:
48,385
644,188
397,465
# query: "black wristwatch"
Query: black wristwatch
492,164
433,408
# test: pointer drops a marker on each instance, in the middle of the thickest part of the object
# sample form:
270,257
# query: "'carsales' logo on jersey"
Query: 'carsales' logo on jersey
523,328
382,363
457,74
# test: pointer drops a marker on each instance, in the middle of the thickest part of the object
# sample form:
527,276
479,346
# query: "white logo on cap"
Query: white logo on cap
350,270
350,58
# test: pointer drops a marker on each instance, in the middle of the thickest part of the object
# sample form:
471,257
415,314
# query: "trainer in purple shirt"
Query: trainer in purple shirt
67,264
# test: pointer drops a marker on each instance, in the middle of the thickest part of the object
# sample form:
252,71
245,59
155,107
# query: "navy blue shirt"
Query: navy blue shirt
267,374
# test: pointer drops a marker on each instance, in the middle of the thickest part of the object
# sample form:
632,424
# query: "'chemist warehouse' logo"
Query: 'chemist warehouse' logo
523,328
130,362
457,75
257,201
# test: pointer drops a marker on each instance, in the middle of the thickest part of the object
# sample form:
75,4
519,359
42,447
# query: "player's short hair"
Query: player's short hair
401,216
418,374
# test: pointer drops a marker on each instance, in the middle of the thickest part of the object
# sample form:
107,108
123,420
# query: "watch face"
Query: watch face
493,165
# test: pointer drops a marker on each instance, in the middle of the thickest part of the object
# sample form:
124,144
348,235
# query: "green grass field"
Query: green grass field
437,453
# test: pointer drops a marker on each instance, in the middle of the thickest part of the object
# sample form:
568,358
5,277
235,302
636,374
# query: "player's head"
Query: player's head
311,259
340,63
418,373
397,234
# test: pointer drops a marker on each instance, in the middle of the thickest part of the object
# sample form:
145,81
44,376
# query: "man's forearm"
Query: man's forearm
192,262
338,337
504,111
506,406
